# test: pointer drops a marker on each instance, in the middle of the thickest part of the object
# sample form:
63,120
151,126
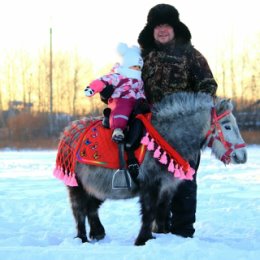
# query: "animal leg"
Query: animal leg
184,209
97,230
163,211
78,204
148,200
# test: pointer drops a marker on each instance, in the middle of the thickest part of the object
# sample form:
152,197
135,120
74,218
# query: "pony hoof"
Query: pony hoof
83,239
141,241
160,230
97,233
97,237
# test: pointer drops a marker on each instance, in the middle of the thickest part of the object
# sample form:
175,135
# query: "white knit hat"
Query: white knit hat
130,57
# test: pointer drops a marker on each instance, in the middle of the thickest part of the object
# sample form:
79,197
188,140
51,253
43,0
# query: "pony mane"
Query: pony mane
182,104
223,105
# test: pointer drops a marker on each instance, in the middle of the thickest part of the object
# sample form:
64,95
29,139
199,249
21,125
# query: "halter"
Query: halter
215,133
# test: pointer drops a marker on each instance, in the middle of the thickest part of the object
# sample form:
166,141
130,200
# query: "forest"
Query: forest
40,94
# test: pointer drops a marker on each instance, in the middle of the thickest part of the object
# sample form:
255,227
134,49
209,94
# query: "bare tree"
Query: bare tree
41,79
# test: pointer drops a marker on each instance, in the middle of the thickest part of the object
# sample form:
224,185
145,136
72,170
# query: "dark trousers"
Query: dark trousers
184,206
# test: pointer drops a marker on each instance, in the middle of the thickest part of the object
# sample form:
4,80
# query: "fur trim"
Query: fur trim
163,14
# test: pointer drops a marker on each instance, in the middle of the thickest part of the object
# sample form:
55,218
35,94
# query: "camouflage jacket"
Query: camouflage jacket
175,69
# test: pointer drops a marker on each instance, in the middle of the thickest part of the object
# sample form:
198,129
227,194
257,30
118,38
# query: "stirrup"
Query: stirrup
121,179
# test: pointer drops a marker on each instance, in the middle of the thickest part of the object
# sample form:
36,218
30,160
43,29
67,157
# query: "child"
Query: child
128,88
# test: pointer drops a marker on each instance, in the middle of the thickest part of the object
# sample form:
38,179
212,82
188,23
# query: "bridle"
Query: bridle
215,133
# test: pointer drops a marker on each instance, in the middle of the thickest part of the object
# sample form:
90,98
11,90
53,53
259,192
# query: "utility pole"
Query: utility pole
51,86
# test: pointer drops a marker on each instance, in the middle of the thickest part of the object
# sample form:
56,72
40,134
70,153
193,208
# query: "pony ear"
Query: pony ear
224,105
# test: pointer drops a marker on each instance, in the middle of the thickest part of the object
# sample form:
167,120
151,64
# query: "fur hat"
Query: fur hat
131,56
163,14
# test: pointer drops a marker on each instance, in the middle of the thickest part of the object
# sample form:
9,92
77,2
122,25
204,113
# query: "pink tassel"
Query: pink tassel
157,152
177,173
145,140
66,179
163,159
61,175
150,146
190,173
72,182
58,173
182,174
171,166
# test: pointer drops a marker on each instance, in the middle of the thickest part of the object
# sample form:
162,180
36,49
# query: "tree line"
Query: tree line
26,79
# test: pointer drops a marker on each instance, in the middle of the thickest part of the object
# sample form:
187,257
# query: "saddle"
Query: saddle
97,148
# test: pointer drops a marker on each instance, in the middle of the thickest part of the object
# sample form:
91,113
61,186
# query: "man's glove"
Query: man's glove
141,107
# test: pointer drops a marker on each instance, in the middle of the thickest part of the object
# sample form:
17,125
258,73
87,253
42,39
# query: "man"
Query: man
172,64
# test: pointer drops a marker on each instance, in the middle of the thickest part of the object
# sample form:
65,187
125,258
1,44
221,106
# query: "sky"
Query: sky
94,28
36,221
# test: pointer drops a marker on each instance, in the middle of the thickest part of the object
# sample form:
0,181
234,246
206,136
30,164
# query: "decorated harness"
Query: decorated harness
215,133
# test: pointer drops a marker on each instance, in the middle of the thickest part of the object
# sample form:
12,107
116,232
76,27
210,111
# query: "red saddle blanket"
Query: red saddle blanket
97,148
87,141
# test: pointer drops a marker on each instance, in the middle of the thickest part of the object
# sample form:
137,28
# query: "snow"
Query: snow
36,220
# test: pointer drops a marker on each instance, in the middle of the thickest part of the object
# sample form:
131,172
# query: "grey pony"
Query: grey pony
182,119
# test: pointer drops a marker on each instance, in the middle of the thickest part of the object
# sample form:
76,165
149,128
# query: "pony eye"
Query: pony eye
227,127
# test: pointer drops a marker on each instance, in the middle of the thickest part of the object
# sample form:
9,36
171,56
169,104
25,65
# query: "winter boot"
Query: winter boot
133,166
134,135
118,135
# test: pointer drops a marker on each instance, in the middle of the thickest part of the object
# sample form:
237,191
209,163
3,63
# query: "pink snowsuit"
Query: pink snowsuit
122,101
